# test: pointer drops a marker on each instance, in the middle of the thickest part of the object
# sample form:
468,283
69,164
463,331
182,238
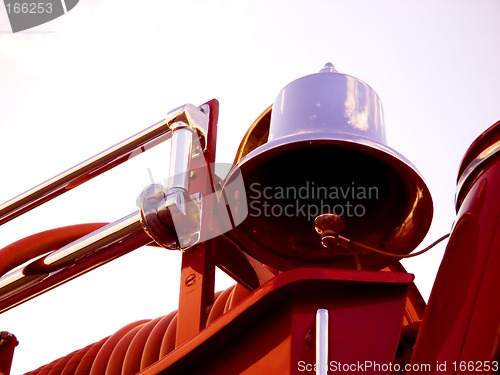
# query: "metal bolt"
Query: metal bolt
309,339
190,280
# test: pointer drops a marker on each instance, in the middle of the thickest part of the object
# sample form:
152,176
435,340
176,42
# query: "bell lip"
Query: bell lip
483,149
356,142
340,138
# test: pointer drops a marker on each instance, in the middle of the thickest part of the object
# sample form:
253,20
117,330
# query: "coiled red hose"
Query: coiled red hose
135,346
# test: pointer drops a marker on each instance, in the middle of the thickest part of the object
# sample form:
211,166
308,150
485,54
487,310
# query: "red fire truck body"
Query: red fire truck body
312,296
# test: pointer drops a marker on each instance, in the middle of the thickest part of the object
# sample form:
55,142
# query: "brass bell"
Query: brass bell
321,150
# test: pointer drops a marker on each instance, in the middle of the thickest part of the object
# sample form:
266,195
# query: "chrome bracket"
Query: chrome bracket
190,116
170,215
172,218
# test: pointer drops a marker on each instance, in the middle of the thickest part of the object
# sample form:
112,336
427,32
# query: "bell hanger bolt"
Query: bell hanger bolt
329,68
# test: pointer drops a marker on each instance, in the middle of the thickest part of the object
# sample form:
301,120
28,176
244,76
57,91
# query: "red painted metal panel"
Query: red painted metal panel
459,331
268,331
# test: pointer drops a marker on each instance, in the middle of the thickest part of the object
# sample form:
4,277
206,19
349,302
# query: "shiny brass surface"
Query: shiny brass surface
85,171
196,117
256,135
117,238
80,256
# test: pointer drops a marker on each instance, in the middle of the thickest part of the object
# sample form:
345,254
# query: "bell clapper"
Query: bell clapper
329,226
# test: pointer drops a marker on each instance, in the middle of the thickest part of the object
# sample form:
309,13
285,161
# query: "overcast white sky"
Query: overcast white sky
107,69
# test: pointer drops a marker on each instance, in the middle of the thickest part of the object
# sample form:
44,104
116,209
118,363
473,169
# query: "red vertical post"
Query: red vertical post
198,268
